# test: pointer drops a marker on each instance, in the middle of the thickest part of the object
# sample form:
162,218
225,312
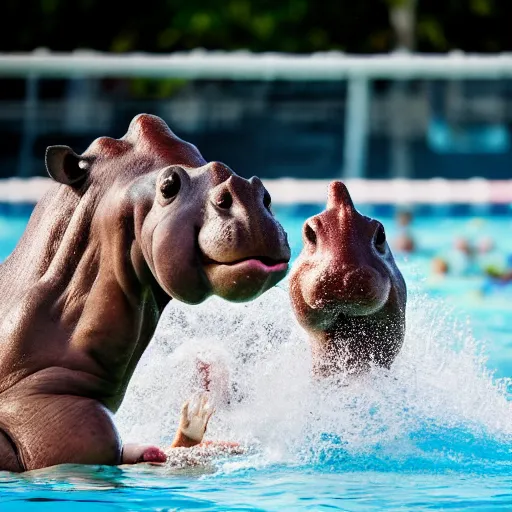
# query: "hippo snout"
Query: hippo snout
239,224
236,192
243,247
348,290
365,291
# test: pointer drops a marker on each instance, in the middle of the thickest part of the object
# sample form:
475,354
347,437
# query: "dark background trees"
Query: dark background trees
355,26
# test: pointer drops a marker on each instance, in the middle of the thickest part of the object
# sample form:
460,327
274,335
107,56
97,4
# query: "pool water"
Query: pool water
433,433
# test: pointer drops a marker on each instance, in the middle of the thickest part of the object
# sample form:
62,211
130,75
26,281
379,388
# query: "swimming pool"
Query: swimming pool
435,432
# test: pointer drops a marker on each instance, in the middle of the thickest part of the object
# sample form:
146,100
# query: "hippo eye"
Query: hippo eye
380,239
267,200
171,186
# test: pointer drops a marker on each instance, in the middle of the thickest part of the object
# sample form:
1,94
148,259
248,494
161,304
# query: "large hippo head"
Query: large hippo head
345,282
197,227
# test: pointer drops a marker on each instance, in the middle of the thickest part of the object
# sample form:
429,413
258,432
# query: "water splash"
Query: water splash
438,407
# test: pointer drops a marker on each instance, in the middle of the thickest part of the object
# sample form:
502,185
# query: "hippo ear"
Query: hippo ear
65,166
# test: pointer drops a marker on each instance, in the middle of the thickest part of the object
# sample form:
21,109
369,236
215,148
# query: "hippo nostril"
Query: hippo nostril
225,201
267,200
380,239
309,234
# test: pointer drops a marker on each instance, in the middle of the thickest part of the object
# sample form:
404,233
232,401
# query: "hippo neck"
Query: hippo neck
353,343
78,302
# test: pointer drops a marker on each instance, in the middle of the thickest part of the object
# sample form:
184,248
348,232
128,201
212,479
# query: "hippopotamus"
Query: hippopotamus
128,225
346,290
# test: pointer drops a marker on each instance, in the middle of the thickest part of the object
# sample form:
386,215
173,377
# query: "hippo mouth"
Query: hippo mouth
245,278
261,263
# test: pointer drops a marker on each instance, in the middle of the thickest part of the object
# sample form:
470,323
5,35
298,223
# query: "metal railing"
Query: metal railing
359,71
243,65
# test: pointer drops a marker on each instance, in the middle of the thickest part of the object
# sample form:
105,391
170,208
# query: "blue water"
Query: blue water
434,433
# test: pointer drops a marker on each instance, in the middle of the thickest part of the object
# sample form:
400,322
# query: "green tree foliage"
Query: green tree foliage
356,26
469,25
170,25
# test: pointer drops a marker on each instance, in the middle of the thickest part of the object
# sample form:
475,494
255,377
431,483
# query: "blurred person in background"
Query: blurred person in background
439,267
460,261
462,258
489,259
501,275
404,241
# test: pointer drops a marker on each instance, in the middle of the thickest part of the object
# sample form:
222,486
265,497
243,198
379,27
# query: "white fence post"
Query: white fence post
356,127
29,126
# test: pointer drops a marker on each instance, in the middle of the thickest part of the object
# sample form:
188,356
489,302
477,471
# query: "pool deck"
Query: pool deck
295,191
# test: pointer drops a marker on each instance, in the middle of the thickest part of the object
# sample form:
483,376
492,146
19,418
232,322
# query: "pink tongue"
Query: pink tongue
253,263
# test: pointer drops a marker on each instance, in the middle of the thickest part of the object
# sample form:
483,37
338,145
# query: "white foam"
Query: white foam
440,379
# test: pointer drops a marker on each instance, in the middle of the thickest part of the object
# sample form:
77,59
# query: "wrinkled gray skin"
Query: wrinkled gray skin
346,290
130,224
